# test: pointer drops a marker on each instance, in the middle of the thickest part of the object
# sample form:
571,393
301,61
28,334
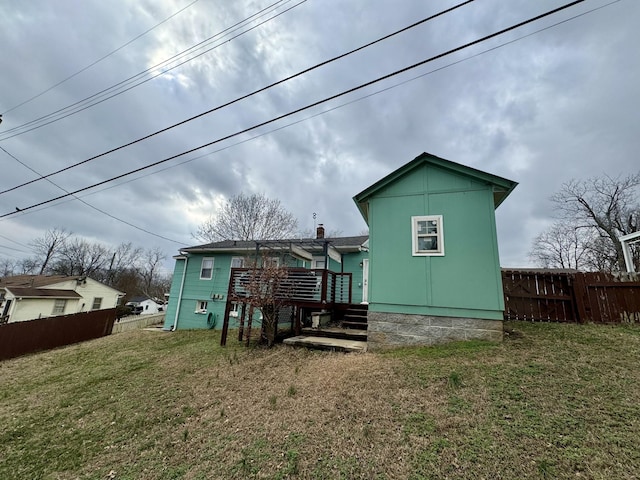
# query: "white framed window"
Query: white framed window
237,262
427,236
317,263
206,268
235,309
270,262
201,306
97,303
59,306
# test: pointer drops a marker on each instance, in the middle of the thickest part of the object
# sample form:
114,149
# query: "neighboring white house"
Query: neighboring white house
145,305
29,297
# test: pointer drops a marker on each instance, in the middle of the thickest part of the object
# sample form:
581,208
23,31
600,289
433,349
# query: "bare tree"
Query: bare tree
27,266
562,246
149,270
268,290
122,260
81,257
599,210
248,217
7,267
50,245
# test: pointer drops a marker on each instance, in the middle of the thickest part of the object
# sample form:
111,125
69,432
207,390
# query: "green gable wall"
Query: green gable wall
466,281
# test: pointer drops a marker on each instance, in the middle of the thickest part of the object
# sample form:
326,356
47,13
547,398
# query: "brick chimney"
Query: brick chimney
320,231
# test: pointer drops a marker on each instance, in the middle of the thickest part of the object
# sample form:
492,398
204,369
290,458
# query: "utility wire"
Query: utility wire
319,102
88,204
99,60
255,92
328,110
129,83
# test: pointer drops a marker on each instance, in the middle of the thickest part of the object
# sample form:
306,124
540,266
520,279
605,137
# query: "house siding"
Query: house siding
351,262
195,289
36,308
89,289
465,282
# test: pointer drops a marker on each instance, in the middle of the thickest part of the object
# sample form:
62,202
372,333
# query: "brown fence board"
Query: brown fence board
538,296
594,297
20,338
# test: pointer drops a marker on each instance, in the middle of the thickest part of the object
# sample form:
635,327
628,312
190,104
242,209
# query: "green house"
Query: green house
202,273
433,254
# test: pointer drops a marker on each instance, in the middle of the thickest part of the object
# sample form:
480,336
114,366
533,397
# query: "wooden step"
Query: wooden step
325,343
337,332
354,325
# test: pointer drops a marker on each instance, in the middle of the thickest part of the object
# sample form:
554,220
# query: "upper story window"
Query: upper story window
427,238
206,269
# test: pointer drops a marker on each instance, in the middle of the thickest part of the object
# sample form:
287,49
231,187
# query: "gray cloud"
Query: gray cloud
557,105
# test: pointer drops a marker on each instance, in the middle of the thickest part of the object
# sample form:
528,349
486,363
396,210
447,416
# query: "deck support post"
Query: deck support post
225,324
243,312
249,322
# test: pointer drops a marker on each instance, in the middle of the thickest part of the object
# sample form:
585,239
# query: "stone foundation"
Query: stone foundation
388,330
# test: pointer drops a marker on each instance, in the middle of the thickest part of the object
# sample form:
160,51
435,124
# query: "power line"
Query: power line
90,205
311,105
328,110
255,92
129,83
323,112
99,60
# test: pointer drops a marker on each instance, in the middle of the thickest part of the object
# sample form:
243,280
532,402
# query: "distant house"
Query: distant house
144,305
434,266
29,297
200,283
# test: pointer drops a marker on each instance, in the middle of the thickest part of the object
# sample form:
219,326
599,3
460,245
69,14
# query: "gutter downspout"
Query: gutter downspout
184,274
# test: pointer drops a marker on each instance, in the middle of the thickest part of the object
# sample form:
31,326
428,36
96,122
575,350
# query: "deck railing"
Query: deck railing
294,285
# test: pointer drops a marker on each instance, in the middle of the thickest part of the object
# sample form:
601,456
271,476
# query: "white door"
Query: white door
365,280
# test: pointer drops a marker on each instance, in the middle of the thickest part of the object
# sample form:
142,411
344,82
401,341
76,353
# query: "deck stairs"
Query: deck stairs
356,317
346,335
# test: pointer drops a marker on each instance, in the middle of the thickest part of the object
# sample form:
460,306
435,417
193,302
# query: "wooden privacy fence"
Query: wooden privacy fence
20,338
569,296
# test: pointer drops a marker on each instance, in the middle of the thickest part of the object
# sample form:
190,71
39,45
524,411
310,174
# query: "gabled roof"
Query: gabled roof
342,244
35,281
502,187
38,281
141,298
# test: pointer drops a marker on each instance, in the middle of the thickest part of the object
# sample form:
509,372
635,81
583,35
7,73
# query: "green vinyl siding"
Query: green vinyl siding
465,282
351,262
196,289
174,293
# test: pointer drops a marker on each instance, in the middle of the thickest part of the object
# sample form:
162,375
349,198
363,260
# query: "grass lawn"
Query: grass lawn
551,401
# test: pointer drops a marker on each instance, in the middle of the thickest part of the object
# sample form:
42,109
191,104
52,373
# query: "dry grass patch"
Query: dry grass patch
552,401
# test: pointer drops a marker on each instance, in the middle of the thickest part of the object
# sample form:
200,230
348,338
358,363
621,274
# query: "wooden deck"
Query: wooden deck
294,292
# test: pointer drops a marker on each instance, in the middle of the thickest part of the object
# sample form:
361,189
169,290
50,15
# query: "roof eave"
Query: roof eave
502,186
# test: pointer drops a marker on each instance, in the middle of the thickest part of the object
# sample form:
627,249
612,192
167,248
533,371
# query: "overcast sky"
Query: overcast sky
559,104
